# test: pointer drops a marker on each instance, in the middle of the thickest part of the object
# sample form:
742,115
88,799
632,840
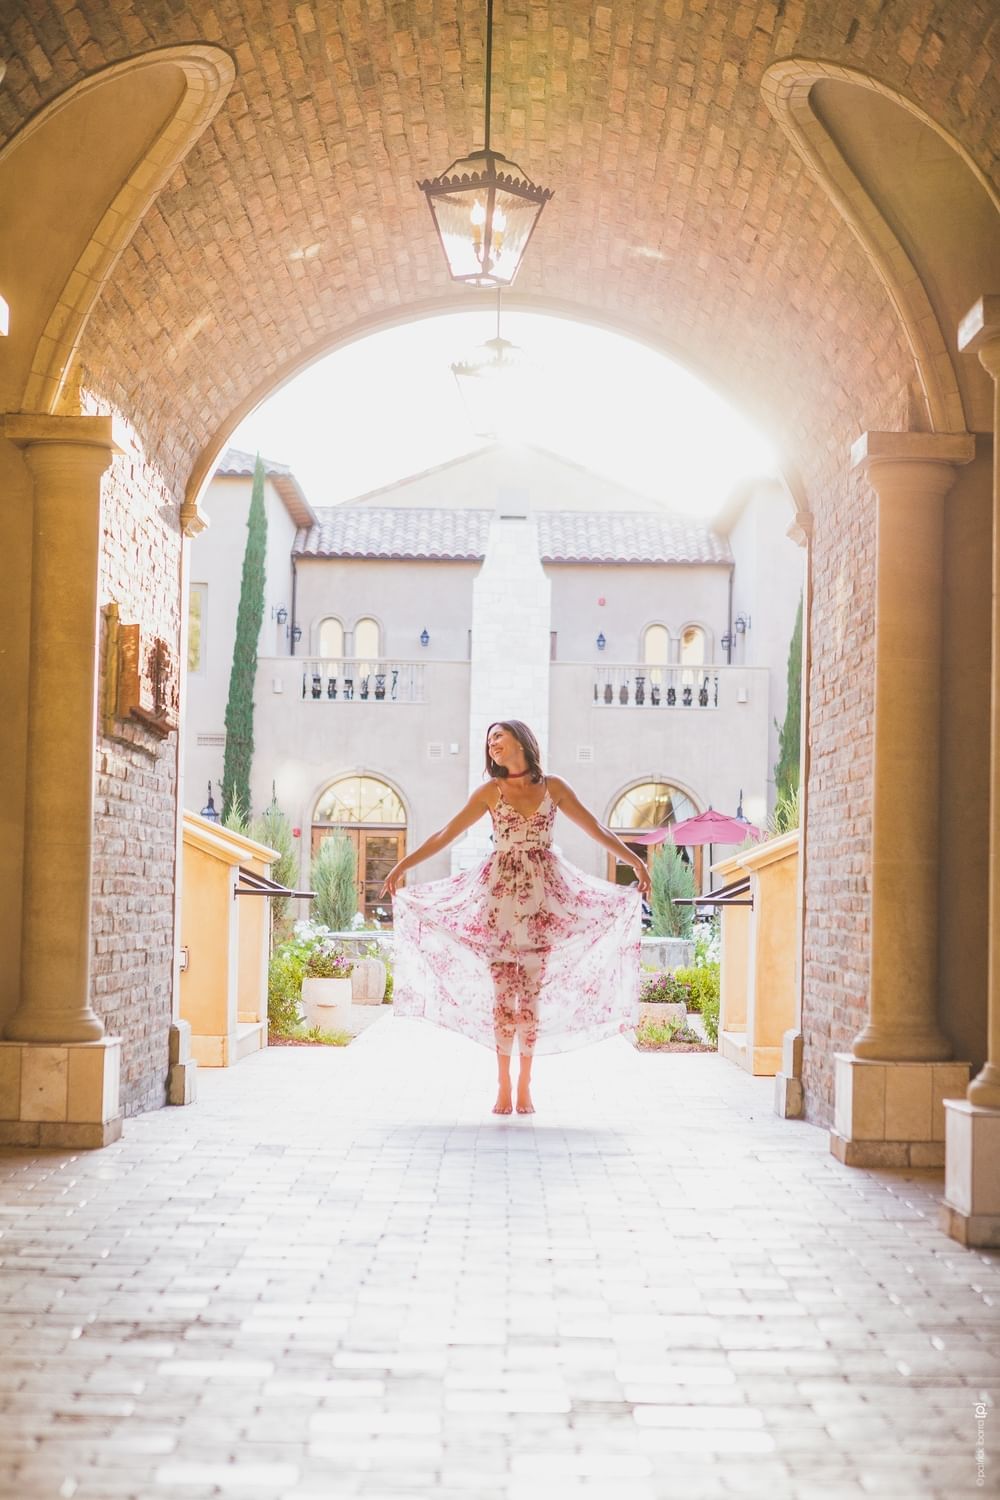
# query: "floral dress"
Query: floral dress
527,945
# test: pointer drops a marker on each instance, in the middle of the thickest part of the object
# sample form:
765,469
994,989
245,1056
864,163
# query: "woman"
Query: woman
526,945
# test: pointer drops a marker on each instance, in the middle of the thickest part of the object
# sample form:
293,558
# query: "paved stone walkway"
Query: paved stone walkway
339,1275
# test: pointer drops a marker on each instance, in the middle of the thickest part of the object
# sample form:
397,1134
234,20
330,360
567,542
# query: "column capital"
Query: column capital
979,332
29,429
874,449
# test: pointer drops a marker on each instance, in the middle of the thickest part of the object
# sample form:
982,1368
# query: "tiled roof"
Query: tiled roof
461,535
235,464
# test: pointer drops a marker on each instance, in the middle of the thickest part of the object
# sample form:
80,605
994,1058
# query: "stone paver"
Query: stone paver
340,1275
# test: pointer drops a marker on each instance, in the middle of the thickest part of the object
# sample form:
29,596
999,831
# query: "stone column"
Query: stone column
66,457
971,1209
509,674
888,1089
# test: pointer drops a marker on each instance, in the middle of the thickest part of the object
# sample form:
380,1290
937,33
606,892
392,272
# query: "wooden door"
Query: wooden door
380,849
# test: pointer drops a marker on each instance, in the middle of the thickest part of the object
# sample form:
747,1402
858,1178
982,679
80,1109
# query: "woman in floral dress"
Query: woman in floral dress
527,945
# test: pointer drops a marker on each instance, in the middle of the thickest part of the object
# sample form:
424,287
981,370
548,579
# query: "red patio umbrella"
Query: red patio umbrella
705,828
709,827
713,828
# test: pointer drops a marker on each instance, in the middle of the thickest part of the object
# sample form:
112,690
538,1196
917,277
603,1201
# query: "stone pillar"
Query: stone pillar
971,1209
56,1093
890,1087
509,676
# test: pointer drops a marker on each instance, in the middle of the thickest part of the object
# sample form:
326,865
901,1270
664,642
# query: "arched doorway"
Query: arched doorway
372,816
648,804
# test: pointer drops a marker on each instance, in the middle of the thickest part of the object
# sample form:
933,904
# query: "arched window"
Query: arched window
372,817
331,638
692,646
359,799
651,804
656,646
366,640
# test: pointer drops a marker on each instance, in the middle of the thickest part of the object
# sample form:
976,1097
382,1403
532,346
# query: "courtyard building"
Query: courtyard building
386,648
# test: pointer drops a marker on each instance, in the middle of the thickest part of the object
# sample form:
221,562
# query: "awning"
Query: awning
259,885
726,895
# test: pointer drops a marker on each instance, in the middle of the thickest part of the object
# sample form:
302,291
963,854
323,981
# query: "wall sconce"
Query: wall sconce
601,642
296,633
281,614
742,624
210,811
726,642
424,638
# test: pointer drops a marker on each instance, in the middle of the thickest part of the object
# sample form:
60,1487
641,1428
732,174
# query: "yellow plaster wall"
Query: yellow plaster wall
205,932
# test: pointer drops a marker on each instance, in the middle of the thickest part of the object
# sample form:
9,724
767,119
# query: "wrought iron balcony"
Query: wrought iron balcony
350,680
643,686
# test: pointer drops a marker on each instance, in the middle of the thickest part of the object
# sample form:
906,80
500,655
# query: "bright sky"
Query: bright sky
388,406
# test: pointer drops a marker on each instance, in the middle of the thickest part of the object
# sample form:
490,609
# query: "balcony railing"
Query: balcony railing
351,680
644,686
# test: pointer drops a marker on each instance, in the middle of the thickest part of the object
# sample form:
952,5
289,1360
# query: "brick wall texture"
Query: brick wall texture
681,213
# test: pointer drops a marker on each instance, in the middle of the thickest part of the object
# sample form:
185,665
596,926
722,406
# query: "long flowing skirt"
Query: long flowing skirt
526,945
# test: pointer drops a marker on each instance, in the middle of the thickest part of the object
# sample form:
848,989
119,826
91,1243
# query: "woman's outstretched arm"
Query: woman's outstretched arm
569,803
478,804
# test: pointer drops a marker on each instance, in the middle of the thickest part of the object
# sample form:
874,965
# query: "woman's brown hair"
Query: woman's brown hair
527,742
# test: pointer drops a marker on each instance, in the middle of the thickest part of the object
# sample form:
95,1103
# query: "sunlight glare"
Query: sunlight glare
387,407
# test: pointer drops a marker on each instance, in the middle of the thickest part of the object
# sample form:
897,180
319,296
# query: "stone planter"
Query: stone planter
327,1003
368,981
661,1012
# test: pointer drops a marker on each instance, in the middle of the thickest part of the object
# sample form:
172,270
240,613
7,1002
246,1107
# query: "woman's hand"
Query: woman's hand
392,880
642,876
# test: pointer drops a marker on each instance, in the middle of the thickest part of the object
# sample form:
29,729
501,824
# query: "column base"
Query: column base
971,1209
182,1079
789,1098
891,1114
60,1094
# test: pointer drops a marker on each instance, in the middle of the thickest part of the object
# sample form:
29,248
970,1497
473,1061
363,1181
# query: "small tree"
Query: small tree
274,829
670,877
239,709
333,880
786,771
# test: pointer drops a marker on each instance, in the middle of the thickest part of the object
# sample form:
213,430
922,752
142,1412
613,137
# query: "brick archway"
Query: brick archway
683,214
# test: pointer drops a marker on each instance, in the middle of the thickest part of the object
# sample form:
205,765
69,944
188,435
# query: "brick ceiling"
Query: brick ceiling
681,211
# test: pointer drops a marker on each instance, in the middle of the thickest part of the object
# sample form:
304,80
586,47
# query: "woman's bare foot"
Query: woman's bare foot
503,1104
524,1104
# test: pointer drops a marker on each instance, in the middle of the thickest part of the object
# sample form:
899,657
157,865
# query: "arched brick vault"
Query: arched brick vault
682,212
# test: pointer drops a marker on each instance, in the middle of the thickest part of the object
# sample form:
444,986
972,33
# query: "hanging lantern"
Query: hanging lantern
484,207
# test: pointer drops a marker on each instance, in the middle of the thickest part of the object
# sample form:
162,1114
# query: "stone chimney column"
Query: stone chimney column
509,678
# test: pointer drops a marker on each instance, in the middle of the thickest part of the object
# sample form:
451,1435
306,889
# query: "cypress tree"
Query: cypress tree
786,772
239,709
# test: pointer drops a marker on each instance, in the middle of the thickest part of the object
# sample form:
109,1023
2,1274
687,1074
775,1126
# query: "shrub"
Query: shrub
657,1031
334,881
274,830
707,941
710,1018
701,985
670,877
663,989
284,991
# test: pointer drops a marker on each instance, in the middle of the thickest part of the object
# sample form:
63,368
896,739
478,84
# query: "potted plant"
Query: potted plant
663,999
326,988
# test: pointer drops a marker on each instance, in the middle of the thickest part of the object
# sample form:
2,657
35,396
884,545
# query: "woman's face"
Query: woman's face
502,745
